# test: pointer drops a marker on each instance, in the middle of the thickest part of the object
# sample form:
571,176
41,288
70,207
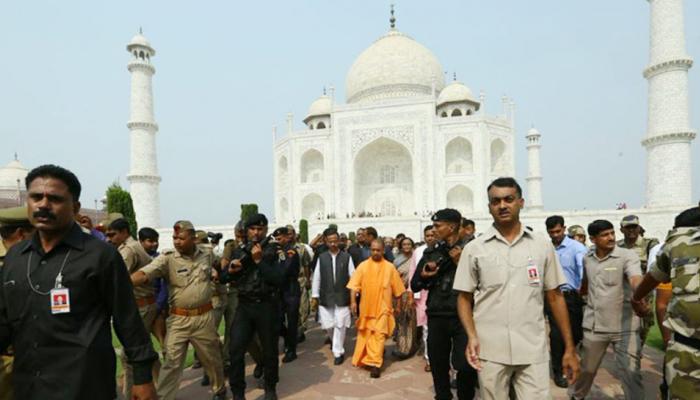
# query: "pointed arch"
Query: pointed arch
461,199
312,166
459,156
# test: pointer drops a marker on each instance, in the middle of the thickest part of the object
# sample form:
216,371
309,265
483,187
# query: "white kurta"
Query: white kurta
331,317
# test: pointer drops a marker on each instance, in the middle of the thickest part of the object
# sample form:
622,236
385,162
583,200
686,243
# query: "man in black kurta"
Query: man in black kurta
65,352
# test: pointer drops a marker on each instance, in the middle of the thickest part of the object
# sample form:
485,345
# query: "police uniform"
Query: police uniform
679,263
135,258
8,217
190,292
304,285
509,280
642,247
258,312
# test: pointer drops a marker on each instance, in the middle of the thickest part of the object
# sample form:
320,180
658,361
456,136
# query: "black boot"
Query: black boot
205,380
270,394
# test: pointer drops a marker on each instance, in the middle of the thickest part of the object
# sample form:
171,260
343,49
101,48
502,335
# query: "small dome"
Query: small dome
393,66
10,173
533,132
140,41
455,92
320,106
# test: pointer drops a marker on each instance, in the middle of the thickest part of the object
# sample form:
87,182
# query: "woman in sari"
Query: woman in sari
405,336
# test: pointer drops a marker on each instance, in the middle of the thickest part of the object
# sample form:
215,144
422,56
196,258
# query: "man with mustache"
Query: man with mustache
59,291
514,270
611,274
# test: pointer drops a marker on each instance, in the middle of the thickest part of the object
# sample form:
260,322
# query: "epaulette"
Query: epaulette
291,253
167,252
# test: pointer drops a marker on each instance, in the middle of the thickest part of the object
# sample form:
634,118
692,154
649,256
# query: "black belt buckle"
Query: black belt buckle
691,342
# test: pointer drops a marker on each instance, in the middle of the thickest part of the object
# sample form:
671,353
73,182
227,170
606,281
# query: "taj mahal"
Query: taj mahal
407,141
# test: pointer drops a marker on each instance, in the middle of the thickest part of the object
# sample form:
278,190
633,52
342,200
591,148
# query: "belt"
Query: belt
191,312
145,301
692,342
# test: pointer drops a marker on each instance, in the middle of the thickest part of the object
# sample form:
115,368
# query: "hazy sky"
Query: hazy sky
227,71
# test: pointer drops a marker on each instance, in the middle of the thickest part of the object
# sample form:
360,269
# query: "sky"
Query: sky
227,71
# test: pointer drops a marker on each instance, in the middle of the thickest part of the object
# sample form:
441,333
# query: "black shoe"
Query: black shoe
270,394
560,381
238,397
205,380
197,364
301,338
374,372
289,357
339,360
327,341
258,371
219,396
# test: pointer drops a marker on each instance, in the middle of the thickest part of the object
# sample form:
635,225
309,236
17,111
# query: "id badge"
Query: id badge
416,295
60,300
533,274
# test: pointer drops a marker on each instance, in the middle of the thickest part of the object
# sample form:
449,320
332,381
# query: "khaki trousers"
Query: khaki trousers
6,390
628,355
200,331
529,381
148,315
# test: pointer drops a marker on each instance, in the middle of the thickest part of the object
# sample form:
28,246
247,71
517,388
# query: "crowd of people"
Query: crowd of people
494,312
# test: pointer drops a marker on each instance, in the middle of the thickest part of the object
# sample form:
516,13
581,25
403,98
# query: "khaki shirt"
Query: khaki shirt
508,308
609,309
189,278
642,247
135,258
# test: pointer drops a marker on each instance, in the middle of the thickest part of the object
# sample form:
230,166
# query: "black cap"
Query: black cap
447,215
280,231
256,220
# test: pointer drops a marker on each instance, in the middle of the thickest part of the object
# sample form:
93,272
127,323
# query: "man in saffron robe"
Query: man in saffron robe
377,280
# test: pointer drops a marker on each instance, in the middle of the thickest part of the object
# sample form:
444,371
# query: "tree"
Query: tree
247,210
333,226
351,236
304,231
119,201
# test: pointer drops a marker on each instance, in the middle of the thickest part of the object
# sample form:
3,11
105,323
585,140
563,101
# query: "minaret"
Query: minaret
668,127
534,175
143,174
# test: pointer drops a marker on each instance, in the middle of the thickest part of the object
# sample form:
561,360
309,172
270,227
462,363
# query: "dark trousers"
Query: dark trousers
261,318
574,303
447,342
289,319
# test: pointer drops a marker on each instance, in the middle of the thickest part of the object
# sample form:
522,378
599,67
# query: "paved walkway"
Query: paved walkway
313,376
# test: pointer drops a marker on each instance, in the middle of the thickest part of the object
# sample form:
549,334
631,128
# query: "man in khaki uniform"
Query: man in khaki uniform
504,276
219,299
135,257
634,240
611,273
188,272
14,227
304,283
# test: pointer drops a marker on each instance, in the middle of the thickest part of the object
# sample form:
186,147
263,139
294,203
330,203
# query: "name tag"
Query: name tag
416,295
60,300
533,274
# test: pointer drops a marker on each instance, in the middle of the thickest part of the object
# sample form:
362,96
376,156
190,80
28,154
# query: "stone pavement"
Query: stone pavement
313,376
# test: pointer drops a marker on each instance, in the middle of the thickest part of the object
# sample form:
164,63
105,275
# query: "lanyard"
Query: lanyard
59,277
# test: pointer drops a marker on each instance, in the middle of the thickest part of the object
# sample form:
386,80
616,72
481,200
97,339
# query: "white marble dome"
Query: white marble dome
140,40
320,106
10,173
455,92
393,66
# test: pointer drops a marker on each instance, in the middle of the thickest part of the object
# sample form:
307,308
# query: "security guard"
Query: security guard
304,282
679,263
219,299
258,274
135,257
188,272
447,341
635,241
14,227
290,292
